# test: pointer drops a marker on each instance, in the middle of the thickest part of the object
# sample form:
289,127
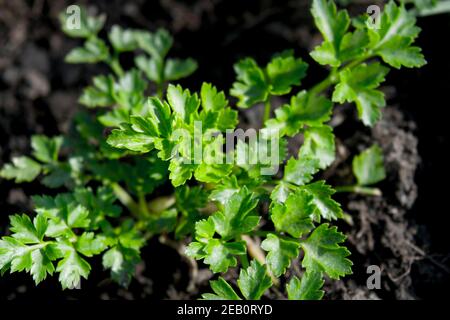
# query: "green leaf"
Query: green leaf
155,44
251,86
151,67
324,254
127,138
333,24
212,173
64,212
71,269
308,288
88,25
27,232
353,45
294,216
58,176
46,149
215,110
191,198
326,54
93,51
77,216
122,39
183,103
164,222
211,98
41,266
392,40
129,92
180,172
222,291
284,71
255,84
16,255
176,69
368,166
260,157
227,119
114,118
189,202
223,191
238,215
204,230
219,255
281,192
160,116
318,144
324,206
397,53
300,171
22,169
100,203
122,262
281,252
254,281
359,85
424,4
89,245
213,167
304,109
100,94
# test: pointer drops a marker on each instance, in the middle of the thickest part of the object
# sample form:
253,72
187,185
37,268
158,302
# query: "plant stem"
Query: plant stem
333,78
256,253
115,65
143,205
267,108
160,90
158,205
323,85
360,190
357,62
440,7
38,246
244,261
126,200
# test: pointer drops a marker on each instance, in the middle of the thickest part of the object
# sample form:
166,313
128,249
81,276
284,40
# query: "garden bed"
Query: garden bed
403,231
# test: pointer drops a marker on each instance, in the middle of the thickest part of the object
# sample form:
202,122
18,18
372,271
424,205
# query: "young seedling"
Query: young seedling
218,196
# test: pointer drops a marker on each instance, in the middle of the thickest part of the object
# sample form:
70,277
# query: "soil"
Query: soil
403,232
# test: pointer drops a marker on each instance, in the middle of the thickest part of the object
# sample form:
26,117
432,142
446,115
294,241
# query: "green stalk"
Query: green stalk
115,65
360,190
143,205
267,108
244,261
38,246
158,205
126,200
333,76
160,90
323,85
440,7
255,251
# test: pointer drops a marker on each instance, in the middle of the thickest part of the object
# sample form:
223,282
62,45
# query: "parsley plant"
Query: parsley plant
108,198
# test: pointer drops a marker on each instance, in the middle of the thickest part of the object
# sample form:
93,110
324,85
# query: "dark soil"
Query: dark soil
404,231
